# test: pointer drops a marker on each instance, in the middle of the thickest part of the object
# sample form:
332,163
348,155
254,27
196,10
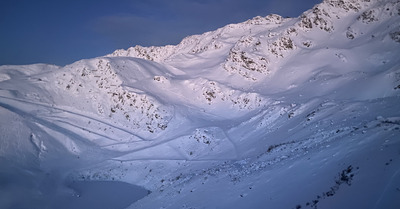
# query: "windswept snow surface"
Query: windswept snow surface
269,113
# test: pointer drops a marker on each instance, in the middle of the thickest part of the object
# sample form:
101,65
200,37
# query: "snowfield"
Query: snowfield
270,113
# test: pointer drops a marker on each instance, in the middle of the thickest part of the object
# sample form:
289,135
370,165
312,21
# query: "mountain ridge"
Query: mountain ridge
256,112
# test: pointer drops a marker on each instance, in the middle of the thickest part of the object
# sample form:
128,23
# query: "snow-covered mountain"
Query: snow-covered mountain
270,113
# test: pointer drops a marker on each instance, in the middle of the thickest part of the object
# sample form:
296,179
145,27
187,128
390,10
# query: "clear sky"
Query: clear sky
61,32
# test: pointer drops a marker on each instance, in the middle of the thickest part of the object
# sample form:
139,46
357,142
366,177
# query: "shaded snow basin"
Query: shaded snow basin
103,194
29,188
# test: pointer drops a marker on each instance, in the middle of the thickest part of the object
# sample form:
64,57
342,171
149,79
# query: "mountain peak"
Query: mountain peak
293,104
251,47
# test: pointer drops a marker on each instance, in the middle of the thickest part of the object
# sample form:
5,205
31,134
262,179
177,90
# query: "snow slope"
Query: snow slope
270,113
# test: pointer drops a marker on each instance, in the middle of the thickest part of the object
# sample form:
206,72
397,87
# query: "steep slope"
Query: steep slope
248,116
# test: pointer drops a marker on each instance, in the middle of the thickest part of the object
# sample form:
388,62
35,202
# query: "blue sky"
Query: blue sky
61,32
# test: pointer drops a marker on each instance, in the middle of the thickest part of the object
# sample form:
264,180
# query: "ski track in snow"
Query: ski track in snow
73,113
